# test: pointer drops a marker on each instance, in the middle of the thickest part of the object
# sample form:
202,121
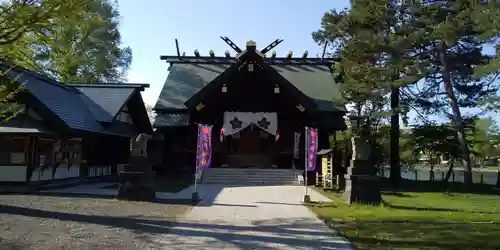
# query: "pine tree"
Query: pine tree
453,51
375,41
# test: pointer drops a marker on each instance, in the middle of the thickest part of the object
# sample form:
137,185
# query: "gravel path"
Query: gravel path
50,222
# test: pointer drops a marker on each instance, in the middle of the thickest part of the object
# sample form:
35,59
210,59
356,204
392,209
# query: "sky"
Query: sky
150,27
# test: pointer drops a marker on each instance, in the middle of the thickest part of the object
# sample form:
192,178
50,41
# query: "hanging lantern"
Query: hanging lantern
276,89
224,88
221,136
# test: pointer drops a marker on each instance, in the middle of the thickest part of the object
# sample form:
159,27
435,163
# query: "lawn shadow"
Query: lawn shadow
436,186
263,234
396,194
426,235
434,209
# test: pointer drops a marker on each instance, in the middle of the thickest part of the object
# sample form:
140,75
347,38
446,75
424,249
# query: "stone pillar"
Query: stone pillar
136,180
362,185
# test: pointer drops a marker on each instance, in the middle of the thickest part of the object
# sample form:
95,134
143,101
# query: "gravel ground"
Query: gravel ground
49,222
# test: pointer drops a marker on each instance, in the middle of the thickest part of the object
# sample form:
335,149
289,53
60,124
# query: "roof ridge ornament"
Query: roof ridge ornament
231,44
271,46
251,45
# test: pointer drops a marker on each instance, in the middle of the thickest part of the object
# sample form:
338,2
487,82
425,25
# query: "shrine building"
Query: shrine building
255,101
68,133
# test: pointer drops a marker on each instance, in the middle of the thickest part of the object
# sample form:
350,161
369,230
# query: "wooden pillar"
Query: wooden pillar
31,155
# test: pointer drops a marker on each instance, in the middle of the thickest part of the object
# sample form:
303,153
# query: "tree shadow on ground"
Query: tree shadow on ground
436,186
423,235
396,194
435,209
109,197
264,234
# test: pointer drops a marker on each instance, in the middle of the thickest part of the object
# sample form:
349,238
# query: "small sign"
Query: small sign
296,145
41,161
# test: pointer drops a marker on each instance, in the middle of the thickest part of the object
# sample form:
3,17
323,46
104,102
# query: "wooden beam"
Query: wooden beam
231,44
225,60
271,46
177,47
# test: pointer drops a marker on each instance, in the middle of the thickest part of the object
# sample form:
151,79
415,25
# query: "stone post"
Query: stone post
137,178
362,184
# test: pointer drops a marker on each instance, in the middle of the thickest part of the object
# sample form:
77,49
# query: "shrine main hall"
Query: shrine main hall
257,103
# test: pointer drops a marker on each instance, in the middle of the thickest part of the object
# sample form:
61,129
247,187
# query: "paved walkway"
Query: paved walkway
248,217
255,217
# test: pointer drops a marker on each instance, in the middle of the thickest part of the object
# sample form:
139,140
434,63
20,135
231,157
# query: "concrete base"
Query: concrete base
307,198
362,189
195,197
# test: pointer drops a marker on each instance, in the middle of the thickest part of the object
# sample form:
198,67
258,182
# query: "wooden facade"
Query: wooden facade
248,83
63,132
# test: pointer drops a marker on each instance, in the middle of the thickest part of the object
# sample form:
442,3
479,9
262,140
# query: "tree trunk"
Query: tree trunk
450,171
457,116
395,175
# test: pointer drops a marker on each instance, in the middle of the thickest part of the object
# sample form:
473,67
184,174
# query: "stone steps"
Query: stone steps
250,176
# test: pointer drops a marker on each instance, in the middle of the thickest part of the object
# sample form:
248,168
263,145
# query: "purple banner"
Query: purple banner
312,148
204,151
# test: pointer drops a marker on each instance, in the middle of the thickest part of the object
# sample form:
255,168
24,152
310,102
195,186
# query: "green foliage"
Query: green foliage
487,20
70,40
440,139
19,19
80,47
485,138
375,42
454,29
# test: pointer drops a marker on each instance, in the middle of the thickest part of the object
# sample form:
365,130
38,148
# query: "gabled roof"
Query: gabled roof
171,120
188,75
108,99
71,105
185,80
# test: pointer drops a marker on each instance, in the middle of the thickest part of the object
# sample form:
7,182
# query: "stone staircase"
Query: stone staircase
250,176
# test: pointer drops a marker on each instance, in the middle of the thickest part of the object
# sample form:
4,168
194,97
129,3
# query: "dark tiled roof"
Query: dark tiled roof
188,76
185,80
171,120
316,82
109,100
71,105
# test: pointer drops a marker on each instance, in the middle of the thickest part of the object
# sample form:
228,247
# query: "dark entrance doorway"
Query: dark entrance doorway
251,148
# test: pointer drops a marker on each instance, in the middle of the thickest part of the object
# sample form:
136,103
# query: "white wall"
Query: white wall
18,173
99,171
13,173
62,172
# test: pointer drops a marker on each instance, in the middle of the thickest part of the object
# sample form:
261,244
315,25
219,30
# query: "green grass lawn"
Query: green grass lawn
166,184
417,220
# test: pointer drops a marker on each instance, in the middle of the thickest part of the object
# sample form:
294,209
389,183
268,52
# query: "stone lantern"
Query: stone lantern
362,184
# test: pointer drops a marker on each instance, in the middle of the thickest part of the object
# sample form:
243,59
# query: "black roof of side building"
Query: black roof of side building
85,107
